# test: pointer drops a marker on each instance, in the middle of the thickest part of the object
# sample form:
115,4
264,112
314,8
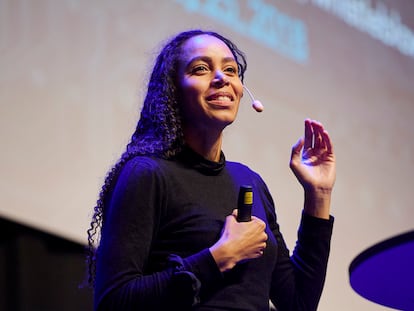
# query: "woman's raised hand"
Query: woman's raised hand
313,163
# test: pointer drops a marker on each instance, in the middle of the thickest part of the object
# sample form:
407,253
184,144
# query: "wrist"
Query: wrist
317,202
222,257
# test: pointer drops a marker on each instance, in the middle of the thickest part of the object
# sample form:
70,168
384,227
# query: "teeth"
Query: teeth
223,98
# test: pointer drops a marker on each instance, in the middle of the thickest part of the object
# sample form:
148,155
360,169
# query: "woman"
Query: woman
166,213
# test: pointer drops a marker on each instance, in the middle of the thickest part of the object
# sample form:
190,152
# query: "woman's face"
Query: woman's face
209,84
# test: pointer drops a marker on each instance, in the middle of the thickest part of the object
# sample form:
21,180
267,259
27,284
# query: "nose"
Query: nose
220,79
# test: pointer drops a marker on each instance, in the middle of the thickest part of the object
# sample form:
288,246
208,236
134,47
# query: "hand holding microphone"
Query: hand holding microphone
244,236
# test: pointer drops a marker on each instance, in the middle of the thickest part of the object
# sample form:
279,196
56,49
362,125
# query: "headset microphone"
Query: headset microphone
257,105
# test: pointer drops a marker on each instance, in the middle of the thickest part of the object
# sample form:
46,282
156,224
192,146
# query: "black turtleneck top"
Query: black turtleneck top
161,219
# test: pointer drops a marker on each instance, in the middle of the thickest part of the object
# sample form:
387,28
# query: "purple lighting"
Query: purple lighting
384,273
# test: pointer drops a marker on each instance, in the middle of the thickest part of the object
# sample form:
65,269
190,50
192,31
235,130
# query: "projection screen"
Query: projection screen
73,76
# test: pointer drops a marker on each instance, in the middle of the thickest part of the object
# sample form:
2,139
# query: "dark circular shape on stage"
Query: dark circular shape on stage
384,273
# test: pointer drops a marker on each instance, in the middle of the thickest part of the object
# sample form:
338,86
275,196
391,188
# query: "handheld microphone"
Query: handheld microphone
245,203
257,105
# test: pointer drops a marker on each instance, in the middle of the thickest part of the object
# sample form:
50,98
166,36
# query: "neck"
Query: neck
206,144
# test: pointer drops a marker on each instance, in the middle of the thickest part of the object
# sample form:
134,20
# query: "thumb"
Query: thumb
296,148
234,213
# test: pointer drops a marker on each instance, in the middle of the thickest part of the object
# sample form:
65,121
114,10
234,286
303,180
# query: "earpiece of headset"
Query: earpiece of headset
257,105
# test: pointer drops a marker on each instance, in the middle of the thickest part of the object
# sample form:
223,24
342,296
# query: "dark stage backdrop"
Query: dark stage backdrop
72,78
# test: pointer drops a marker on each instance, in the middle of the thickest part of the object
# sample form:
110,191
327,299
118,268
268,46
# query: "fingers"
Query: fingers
308,134
328,142
262,247
263,236
316,137
251,235
322,140
312,137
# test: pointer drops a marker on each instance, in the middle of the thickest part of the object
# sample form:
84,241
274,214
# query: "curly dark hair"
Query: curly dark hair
158,132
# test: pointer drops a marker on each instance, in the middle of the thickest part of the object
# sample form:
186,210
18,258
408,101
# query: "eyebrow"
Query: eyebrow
208,59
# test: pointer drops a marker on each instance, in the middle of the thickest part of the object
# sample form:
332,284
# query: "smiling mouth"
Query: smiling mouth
220,102
222,98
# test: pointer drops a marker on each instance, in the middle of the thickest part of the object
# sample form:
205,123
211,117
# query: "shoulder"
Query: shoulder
141,164
244,173
141,168
139,176
240,169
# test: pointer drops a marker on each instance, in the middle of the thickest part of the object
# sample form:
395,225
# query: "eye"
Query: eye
231,70
199,69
